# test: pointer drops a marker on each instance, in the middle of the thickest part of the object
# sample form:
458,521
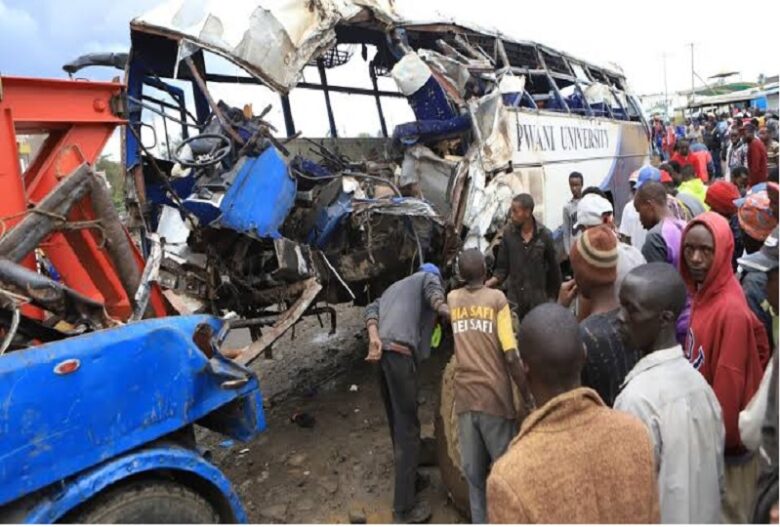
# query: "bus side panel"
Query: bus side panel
551,146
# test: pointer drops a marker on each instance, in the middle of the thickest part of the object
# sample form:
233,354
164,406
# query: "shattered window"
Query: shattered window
397,111
351,74
538,86
163,131
256,95
579,72
239,94
356,115
598,76
616,82
633,109
522,56
309,112
568,91
555,63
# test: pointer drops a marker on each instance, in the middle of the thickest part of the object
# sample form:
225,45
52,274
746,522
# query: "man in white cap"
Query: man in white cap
592,211
631,230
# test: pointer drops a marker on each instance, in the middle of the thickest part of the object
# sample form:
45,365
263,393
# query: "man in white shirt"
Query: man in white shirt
674,401
631,230
570,210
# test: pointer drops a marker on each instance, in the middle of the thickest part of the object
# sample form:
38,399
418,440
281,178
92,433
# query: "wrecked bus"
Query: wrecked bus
250,212
257,214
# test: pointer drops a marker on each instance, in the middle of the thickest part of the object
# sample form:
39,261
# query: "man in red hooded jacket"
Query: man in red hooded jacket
726,343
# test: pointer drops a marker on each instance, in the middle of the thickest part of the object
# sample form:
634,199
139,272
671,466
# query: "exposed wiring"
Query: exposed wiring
359,175
164,178
341,280
356,175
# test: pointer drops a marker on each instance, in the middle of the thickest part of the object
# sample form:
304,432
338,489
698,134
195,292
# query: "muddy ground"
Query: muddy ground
341,466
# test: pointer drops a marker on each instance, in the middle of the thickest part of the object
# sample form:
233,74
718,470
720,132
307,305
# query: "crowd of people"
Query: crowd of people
717,144
647,379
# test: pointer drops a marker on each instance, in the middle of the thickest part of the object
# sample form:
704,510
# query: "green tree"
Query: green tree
115,177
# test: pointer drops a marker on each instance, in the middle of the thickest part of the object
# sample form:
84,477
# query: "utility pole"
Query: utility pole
666,89
692,85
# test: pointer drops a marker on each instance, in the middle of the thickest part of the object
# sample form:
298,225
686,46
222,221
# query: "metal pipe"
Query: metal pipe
161,113
50,295
214,107
289,123
378,99
324,81
117,243
214,77
45,218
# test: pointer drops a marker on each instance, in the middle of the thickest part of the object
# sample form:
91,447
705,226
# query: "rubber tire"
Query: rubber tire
445,431
150,501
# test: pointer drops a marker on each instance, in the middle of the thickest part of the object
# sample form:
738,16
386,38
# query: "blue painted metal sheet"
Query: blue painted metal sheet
132,385
54,506
260,197
416,131
329,219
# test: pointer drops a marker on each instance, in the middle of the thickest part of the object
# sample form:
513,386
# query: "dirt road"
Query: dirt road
342,465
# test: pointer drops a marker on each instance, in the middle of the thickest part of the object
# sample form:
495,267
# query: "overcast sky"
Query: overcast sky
38,36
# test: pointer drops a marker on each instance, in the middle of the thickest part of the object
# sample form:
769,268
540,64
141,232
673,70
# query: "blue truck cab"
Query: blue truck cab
99,428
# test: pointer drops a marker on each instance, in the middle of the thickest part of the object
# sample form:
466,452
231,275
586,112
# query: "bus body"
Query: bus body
764,98
456,119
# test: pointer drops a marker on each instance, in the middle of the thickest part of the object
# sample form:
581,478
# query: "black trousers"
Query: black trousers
399,387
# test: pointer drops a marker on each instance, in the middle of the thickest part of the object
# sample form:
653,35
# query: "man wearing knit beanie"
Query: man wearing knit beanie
593,211
594,260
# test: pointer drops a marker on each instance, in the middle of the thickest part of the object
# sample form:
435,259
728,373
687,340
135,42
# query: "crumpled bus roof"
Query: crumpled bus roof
275,39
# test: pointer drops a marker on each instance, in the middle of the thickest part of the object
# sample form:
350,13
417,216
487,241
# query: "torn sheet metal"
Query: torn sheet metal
261,197
488,206
489,198
150,274
293,260
432,174
453,73
511,84
397,207
273,39
598,93
491,126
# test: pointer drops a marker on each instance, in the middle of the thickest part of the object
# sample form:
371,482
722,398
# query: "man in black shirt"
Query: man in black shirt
527,257
594,260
